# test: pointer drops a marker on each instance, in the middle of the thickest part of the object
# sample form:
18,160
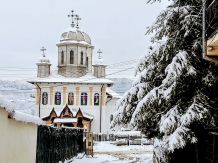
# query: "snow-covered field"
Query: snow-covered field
105,152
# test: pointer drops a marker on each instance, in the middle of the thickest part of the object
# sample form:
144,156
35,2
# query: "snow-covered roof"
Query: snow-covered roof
43,59
57,78
65,120
128,133
10,107
73,110
75,34
112,93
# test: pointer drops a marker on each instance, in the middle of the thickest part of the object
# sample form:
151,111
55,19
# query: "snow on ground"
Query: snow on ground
105,152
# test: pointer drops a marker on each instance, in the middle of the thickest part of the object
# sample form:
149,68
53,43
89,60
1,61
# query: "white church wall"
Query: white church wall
89,108
18,140
110,110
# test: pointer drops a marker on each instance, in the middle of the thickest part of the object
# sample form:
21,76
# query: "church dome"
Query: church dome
99,61
75,34
43,60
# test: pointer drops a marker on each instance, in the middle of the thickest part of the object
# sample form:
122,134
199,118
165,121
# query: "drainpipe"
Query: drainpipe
101,107
39,98
204,54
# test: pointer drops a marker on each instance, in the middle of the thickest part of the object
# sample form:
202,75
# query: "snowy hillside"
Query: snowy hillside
121,85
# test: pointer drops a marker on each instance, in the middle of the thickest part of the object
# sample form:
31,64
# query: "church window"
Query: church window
84,98
57,98
44,98
62,57
81,57
87,62
96,99
70,98
71,57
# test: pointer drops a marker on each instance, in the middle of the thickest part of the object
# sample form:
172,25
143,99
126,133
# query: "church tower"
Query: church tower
99,66
43,65
74,51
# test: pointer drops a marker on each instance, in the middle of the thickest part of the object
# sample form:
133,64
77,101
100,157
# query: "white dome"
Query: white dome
43,60
99,61
75,34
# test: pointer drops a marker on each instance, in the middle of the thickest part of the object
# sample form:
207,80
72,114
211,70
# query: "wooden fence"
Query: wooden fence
57,144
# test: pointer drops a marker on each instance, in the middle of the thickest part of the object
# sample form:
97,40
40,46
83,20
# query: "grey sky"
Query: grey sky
115,26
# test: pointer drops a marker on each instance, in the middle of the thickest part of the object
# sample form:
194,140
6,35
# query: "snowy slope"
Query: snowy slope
121,85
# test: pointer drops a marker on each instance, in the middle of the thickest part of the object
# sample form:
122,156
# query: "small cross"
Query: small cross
99,53
43,49
72,16
77,18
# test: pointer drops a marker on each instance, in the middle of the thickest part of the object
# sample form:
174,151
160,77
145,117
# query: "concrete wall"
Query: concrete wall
17,140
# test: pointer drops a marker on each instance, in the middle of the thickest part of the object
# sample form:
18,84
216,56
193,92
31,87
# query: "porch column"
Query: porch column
64,95
90,96
77,96
51,95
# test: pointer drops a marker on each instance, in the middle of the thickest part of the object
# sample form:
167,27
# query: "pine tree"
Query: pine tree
176,89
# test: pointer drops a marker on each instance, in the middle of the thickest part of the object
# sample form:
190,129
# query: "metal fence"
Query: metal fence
58,144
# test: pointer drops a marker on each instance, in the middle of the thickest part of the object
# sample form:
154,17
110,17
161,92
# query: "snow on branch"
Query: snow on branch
170,121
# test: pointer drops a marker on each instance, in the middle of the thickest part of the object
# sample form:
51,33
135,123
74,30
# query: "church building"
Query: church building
77,94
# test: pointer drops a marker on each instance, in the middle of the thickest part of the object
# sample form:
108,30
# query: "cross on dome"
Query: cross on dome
99,53
72,15
43,51
77,18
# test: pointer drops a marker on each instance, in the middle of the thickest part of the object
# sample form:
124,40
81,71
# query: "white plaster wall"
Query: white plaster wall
110,110
17,140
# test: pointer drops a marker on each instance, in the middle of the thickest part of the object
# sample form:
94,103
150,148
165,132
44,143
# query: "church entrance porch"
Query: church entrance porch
69,117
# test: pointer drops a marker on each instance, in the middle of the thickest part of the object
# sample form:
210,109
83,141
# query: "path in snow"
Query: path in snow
105,152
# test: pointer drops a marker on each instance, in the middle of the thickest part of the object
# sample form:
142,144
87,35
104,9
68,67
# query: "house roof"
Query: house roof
112,93
73,111
57,78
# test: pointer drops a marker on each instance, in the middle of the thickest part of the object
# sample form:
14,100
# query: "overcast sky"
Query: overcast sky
117,27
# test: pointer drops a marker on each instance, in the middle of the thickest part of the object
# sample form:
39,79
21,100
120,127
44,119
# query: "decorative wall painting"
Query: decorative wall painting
57,98
70,98
96,99
84,98
44,98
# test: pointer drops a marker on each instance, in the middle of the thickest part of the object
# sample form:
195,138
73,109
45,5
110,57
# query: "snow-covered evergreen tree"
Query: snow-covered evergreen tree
176,90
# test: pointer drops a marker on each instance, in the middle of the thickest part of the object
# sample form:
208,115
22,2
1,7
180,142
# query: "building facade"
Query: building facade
75,93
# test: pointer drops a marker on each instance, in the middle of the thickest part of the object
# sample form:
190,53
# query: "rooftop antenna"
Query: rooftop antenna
72,15
43,51
99,53
77,18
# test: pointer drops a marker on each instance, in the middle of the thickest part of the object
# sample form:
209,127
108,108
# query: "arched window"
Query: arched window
70,98
62,57
44,98
84,98
71,57
81,57
96,99
87,62
57,98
